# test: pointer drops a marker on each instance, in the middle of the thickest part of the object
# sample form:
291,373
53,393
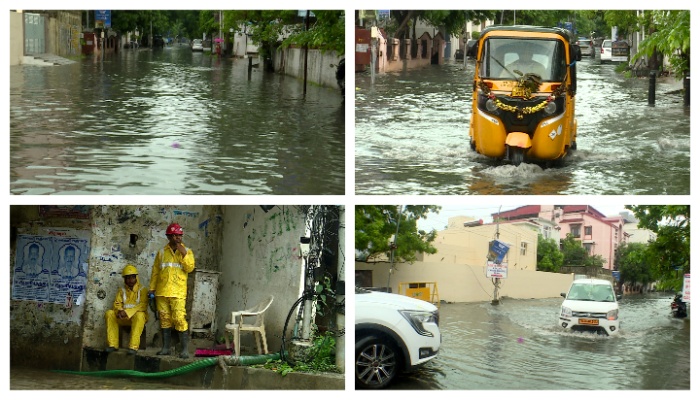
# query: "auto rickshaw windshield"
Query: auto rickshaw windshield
511,58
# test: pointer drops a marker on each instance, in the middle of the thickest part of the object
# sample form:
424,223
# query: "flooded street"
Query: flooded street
172,121
412,137
516,345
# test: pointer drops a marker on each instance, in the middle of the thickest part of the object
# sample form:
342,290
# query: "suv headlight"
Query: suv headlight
612,315
418,319
566,312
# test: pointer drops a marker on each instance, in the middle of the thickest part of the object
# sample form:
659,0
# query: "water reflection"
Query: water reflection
517,346
412,137
172,122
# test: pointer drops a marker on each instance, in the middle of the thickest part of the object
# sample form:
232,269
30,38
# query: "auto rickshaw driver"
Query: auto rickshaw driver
525,64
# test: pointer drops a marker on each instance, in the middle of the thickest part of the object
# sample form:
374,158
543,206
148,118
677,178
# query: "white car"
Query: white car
586,46
606,51
197,45
393,333
590,306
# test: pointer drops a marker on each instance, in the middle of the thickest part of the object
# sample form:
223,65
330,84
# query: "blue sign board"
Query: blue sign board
616,275
497,251
384,14
105,16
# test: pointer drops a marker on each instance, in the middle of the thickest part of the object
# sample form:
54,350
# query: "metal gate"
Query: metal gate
34,37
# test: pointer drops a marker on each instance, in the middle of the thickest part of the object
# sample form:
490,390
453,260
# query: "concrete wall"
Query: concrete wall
51,334
16,35
261,257
462,283
460,245
290,61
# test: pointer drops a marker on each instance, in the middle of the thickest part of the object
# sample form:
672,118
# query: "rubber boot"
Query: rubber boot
166,343
184,342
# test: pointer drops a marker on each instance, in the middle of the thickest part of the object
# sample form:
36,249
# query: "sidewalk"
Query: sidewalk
45,59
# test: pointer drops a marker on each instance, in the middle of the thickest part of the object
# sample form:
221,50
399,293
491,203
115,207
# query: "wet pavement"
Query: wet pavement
412,137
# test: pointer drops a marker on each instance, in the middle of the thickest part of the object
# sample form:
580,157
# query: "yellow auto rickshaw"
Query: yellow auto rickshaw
524,94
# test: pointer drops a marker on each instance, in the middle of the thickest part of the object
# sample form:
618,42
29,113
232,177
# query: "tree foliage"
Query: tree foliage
549,257
375,225
670,35
671,223
635,263
577,255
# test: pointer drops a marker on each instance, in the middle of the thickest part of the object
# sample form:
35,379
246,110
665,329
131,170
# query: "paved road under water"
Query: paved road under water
412,137
172,122
517,345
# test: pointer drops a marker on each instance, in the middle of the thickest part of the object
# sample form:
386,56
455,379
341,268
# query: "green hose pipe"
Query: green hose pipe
207,362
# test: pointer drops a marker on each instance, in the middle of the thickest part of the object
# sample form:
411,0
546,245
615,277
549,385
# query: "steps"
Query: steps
45,60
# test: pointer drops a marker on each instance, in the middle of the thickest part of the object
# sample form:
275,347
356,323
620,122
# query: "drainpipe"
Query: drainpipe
340,294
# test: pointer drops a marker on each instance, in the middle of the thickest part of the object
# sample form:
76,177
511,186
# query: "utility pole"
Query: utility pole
393,248
497,281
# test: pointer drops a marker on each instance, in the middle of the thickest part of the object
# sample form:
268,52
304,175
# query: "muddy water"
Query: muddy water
172,122
517,345
412,137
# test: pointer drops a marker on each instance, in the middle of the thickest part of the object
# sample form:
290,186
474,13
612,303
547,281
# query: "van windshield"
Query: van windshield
590,292
511,58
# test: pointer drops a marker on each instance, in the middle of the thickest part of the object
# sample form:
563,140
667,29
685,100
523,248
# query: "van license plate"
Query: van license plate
586,321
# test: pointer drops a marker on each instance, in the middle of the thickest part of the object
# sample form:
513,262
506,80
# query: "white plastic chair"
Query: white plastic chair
238,325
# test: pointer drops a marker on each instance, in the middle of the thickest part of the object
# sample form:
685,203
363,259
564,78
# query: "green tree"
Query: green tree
549,258
375,225
635,263
574,252
671,223
670,36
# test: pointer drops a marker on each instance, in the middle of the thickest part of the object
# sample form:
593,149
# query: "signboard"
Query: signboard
384,14
497,251
616,275
494,270
686,288
103,18
302,13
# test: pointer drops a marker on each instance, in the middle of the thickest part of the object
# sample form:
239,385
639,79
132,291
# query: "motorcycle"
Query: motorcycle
678,307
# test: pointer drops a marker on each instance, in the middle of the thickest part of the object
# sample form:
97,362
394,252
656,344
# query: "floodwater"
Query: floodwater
412,137
517,345
172,121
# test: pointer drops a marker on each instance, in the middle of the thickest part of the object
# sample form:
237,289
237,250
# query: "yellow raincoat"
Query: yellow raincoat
169,280
135,304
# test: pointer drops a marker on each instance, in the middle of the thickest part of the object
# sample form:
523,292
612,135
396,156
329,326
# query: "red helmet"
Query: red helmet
174,229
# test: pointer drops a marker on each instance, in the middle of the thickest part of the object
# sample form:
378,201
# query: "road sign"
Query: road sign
103,18
497,251
494,270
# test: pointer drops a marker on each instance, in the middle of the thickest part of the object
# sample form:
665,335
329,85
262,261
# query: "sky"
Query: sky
484,211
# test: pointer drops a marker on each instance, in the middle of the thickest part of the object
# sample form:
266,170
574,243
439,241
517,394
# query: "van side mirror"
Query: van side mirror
563,294
577,52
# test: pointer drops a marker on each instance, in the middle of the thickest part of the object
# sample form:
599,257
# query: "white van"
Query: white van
590,306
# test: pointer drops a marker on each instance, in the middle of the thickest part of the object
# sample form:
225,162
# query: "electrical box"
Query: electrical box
202,294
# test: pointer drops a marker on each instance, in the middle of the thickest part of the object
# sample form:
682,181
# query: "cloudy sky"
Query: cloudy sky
484,211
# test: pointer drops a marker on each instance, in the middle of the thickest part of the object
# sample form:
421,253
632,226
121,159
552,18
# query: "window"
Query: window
588,230
547,232
523,248
588,247
576,230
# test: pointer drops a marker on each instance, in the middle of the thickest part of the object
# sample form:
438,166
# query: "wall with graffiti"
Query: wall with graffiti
262,257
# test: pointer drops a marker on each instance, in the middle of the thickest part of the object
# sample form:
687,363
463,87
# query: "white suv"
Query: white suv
393,333
590,306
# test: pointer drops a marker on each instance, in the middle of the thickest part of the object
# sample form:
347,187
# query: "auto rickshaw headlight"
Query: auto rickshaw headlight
550,108
491,106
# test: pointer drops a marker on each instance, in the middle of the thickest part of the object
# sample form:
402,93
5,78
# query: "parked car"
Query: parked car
158,41
590,305
459,54
197,45
393,333
471,47
586,46
606,51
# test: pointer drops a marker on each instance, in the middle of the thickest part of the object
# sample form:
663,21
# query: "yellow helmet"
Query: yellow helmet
130,270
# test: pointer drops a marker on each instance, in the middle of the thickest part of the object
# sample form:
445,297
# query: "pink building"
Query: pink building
599,234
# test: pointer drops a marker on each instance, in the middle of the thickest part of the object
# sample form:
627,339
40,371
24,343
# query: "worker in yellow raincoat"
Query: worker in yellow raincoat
130,309
169,284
